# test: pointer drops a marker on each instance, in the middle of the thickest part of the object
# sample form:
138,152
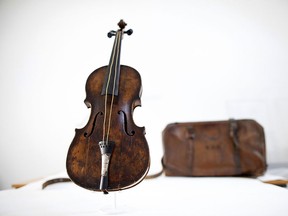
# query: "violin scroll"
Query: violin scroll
121,25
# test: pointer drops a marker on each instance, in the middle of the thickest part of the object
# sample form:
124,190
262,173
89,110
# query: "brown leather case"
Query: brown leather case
218,148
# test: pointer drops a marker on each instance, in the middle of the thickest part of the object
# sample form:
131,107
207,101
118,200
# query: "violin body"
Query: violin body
126,161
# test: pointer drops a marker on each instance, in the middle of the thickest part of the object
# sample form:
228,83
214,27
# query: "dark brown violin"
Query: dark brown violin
110,153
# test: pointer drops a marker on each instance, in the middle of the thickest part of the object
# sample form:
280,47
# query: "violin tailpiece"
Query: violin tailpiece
106,148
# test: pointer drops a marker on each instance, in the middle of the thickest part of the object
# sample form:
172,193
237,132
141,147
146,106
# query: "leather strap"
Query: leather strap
53,181
155,175
233,134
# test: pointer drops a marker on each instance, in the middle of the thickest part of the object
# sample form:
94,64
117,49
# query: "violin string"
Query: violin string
114,83
106,91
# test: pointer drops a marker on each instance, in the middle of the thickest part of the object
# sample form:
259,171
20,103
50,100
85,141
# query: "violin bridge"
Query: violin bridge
106,149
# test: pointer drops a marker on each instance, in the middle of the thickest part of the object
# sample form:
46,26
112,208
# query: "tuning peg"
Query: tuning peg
111,33
128,32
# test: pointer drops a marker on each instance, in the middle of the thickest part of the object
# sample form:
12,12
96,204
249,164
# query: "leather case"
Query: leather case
217,148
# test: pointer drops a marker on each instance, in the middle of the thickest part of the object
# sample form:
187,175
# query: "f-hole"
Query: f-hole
131,133
93,125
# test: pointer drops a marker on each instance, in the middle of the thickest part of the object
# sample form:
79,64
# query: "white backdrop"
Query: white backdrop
199,61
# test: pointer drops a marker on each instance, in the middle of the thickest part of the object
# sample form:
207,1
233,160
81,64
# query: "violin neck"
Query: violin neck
111,82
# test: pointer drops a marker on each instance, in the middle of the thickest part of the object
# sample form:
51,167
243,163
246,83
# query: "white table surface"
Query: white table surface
161,196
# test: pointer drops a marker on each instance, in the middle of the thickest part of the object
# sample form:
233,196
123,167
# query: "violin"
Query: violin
111,152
